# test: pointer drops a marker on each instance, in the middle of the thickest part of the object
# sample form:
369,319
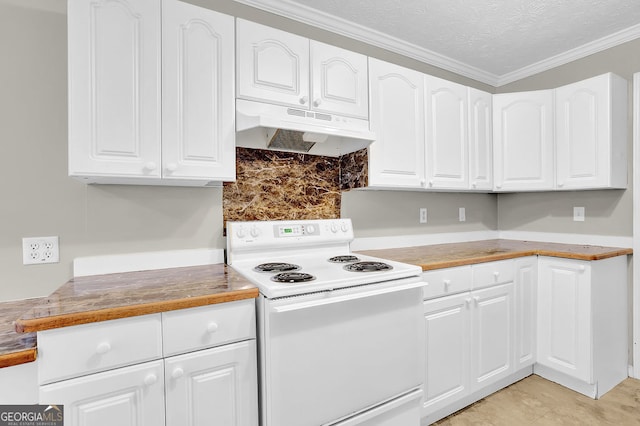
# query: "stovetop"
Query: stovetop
298,257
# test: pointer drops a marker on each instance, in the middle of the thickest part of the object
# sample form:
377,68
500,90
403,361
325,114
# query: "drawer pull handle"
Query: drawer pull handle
212,327
177,373
150,379
103,348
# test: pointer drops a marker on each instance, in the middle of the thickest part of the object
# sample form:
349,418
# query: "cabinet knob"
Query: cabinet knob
496,275
172,167
177,373
467,302
430,183
582,268
476,300
150,379
474,184
446,283
317,102
560,184
150,166
498,186
212,327
303,100
423,182
103,348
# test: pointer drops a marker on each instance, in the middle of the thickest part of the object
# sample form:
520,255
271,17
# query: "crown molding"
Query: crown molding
615,39
325,21
334,24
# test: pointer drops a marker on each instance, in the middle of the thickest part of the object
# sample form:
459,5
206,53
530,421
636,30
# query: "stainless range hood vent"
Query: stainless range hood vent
266,126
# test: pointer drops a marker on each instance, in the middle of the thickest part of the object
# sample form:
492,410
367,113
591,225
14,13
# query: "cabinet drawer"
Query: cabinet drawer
443,282
493,273
88,348
207,326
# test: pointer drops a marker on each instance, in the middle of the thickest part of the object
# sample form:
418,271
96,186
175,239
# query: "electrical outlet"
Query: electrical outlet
423,215
40,250
462,215
578,214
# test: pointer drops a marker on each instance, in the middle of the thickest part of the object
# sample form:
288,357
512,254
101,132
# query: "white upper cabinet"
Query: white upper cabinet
446,134
339,81
480,140
198,131
272,65
118,51
523,141
114,88
396,157
591,133
286,69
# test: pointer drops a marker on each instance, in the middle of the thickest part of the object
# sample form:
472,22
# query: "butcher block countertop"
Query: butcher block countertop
96,298
440,256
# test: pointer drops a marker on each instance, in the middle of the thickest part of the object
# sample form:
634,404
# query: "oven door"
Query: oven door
327,356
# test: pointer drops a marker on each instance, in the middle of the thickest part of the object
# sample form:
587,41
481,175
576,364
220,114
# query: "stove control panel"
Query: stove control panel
295,230
288,233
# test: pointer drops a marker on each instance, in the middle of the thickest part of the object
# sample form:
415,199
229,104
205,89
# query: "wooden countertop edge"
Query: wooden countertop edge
512,255
17,358
78,318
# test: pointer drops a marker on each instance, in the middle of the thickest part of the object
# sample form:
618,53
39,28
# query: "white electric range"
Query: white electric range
341,335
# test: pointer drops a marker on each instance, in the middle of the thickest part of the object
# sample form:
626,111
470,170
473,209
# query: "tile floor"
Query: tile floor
536,401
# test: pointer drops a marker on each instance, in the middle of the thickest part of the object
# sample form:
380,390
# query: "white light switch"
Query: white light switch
578,214
462,215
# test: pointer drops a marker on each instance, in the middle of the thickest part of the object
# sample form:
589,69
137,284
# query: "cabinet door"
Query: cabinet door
272,65
198,133
525,310
493,333
213,387
564,316
114,88
129,396
446,134
480,140
448,337
396,157
523,141
590,134
339,81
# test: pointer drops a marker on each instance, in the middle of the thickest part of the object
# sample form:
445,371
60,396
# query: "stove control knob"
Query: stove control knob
310,229
344,227
334,227
241,233
255,232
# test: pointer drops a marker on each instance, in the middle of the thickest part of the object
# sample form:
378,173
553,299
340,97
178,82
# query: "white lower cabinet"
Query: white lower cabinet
213,386
582,323
526,287
204,371
470,336
131,395
447,340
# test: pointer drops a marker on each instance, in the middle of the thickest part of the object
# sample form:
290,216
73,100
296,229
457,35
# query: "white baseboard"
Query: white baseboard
129,262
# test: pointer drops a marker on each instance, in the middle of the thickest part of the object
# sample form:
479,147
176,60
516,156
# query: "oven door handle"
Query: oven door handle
339,298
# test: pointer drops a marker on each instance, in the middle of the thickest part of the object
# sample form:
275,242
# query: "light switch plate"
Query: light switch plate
578,214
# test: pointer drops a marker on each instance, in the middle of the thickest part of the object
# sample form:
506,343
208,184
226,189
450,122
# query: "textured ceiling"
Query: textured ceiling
491,40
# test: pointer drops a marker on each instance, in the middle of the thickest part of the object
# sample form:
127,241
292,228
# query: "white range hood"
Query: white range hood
265,126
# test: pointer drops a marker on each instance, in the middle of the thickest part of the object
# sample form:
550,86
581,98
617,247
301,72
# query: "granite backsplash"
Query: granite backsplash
275,185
